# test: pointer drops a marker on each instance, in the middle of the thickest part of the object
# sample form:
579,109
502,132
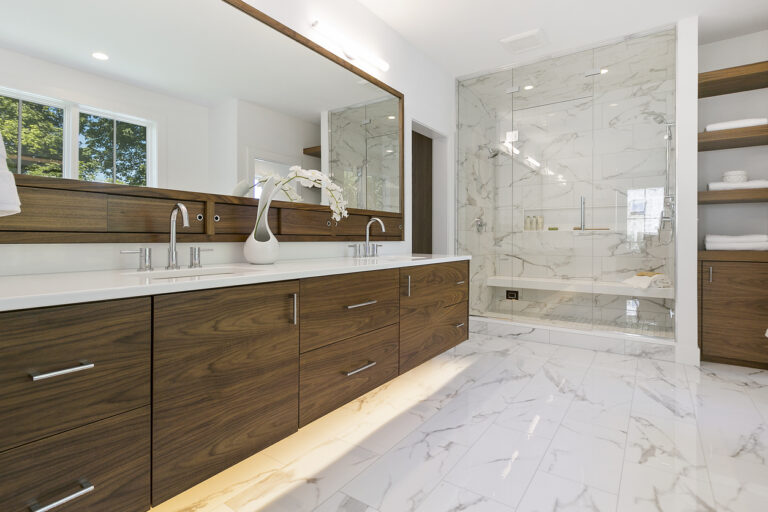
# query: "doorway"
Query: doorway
421,193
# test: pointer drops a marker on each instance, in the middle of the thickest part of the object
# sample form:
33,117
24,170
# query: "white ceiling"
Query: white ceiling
464,35
203,50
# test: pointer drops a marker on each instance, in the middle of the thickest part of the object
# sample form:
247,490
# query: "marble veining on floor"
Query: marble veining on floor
500,425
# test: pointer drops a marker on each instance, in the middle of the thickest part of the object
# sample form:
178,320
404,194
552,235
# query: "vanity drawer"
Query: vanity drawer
442,284
111,455
113,336
428,332
337,307
331,376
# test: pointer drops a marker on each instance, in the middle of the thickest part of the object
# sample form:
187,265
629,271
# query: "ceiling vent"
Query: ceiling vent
524,41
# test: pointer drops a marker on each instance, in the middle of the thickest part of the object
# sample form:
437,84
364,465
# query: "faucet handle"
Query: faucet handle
358,247
194,256
145,258
375,248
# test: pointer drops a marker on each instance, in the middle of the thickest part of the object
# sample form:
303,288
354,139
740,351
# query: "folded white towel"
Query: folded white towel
743,239
724,246
722,185
9,196
738,123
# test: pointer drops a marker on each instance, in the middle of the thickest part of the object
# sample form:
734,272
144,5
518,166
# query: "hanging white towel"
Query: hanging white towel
738,123
730,239
9,196
722,185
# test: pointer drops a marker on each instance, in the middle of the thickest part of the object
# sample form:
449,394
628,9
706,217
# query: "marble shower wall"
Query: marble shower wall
536,139
365,154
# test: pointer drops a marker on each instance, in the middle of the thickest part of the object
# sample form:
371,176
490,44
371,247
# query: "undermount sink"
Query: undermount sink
181,273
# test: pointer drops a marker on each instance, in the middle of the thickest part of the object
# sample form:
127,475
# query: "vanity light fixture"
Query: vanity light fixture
342,46
100,56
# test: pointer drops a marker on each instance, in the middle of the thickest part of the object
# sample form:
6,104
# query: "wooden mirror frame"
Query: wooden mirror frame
61,211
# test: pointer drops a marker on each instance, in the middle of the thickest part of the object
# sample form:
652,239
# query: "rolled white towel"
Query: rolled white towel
722,185
727,239
722,246
737,123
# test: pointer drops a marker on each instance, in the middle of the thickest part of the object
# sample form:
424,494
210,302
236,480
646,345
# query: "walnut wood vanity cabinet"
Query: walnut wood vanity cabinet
225,379
118,403
734,312
75,407
434,311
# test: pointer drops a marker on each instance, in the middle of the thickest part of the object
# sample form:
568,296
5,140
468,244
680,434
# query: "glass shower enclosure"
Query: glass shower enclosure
566,189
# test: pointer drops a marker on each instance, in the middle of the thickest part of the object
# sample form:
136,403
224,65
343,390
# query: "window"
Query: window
34,137
47,137
112,151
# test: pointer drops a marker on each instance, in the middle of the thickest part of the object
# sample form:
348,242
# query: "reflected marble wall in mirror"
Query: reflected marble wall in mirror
208,106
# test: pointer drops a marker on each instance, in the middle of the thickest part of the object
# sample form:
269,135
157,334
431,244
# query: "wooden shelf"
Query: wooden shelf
313,151
756,256
735,79
745,195
735,138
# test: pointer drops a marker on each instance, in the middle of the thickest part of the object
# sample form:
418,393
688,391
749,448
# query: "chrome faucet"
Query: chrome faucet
173,262
372,250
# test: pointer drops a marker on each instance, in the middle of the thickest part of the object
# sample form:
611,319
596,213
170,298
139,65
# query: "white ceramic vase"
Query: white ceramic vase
262,248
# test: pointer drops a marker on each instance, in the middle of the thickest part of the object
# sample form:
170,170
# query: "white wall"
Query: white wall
429,99
686,276
733,219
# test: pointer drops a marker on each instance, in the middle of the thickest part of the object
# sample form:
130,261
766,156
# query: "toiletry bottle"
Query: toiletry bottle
540,223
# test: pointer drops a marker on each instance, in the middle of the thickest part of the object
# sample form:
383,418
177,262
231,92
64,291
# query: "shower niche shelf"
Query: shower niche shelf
746,195
734,138
579,286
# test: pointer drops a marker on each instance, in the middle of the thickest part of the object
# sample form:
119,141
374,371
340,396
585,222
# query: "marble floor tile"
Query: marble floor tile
340,502
647,489
502,425
402,479
552,493
572,455
667,445
500,465
449,498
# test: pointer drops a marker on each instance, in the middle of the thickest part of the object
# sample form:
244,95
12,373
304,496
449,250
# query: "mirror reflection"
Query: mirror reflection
209,107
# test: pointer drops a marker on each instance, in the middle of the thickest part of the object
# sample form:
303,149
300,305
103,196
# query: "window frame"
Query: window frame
71,131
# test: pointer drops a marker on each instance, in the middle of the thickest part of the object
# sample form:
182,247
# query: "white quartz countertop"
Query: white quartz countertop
42,290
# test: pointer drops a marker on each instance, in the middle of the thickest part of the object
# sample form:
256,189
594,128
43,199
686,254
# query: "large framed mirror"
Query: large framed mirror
107,93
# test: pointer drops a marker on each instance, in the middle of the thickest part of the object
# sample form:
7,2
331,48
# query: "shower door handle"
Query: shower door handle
583,204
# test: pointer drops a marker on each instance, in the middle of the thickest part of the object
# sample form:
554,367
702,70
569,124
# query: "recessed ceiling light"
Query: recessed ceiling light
392,118
100,56
528,87
603,71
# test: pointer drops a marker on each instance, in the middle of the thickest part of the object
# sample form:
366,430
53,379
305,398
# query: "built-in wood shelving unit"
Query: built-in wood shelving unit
735,79
734,138
313,151
750,256
746,195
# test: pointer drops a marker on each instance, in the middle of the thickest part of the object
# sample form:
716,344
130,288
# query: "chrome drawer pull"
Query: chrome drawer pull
409,286
460,325
459,282
295,309
362,368
369,303
84,365
86,487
